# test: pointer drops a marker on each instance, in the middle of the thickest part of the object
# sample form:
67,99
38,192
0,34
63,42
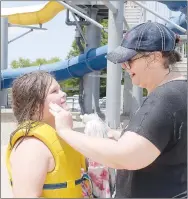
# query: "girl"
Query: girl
39,162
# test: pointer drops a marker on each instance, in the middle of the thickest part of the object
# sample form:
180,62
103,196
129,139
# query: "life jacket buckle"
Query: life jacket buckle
71,184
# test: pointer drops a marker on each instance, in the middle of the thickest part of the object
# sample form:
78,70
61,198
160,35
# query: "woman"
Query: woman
151,154
39,163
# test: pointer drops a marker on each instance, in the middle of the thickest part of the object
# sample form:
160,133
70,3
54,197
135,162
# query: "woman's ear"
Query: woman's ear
158,56
155,57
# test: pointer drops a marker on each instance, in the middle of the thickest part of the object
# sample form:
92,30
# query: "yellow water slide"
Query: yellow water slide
28,17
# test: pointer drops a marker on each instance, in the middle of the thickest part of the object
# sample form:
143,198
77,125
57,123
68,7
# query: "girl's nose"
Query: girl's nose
63,94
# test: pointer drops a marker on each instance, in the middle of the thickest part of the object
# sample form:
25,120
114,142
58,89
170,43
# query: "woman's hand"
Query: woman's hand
63,118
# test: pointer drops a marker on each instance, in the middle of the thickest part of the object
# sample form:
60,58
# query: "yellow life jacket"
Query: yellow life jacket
65,180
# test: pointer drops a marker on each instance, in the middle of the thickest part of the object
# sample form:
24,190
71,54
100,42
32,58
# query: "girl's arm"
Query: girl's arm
29,166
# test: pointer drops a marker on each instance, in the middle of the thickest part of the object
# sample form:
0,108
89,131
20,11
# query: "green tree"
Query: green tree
39,62
104,41
22,62
53,60
104,35
74,50
73,82
15,64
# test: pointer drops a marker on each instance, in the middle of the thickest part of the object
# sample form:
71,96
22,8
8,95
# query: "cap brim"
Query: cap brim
121,54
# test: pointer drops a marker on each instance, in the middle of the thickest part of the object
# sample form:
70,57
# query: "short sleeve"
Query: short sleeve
153,122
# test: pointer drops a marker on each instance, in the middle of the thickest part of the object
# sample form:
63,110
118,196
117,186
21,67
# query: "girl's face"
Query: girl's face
55,95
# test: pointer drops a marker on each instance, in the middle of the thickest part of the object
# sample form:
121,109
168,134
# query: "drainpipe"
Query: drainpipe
73,23
81,86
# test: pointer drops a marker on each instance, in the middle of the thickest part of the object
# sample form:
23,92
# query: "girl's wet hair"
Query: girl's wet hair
28,96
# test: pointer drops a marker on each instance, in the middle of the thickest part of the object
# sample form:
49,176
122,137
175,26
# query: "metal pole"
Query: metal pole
137,92
110,6
79,28
127,95
27,27
4,57
113,97
126,25
96,75
20,36
127,91
137,98
156,11
81,14
163,18
92,80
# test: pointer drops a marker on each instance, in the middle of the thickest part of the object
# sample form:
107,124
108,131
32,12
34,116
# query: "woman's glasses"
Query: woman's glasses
126,65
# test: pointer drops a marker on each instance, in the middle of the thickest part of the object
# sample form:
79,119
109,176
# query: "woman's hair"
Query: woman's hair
170,57
28,95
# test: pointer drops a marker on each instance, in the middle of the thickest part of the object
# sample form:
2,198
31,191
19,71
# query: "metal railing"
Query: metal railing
183,49
73,103
134,14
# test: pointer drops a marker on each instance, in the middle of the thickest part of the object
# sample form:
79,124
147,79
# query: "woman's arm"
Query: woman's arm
29,166
130,152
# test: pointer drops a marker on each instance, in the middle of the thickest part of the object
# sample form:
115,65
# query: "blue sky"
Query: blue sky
54,42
